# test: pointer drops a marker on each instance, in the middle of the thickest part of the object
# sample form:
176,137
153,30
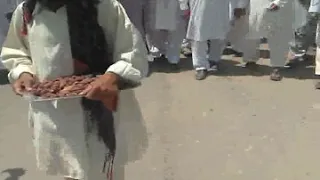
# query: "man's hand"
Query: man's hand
105,89
239,12
23,84
273,7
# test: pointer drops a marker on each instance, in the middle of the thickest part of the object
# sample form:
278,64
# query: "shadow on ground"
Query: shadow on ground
232,67
4,77
14,173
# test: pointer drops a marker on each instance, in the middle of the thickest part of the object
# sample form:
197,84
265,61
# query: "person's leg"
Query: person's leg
278,44
157,43
304,38
237,37
317,68
215,51
199,59
175,39
186,44
251,53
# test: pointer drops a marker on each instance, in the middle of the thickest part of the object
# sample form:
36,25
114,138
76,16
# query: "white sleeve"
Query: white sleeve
129,50
15,53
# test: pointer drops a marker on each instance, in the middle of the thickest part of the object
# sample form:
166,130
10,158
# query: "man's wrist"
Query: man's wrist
25,74
114,78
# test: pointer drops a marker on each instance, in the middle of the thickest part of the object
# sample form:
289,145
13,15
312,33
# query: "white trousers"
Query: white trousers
199,49
174,40
278,40
169,42
237,37
278,46
317,68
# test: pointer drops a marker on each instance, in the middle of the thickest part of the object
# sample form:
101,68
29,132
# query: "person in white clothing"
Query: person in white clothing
238,32
209,20
315,10
46,40
273,20
169,25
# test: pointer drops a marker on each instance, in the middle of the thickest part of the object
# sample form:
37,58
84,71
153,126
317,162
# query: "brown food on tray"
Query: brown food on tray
61,87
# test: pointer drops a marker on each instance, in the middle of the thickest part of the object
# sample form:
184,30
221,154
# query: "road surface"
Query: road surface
237,125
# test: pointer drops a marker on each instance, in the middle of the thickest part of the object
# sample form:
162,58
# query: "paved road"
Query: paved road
237,125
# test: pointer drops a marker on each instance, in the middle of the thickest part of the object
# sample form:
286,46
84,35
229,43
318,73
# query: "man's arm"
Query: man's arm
15,54
129,50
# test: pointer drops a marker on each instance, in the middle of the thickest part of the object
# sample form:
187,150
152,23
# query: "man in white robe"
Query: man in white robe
315,9
154,36
209,20
137,12
39,46
273,20
238,32
169,24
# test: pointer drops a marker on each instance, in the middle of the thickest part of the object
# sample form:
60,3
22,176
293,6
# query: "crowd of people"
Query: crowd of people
50,39
203,28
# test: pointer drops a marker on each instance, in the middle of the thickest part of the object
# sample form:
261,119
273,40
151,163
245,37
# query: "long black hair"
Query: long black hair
88,45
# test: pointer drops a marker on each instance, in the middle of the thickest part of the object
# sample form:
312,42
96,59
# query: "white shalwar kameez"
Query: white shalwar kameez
154,37
239,30
209,20
58,127
315,8
277,26
169,24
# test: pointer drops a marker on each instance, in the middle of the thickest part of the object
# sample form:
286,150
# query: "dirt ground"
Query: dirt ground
235,125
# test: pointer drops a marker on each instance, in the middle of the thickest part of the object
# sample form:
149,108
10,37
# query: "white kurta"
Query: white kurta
209,19
264,23
239,30
166,29
59,126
